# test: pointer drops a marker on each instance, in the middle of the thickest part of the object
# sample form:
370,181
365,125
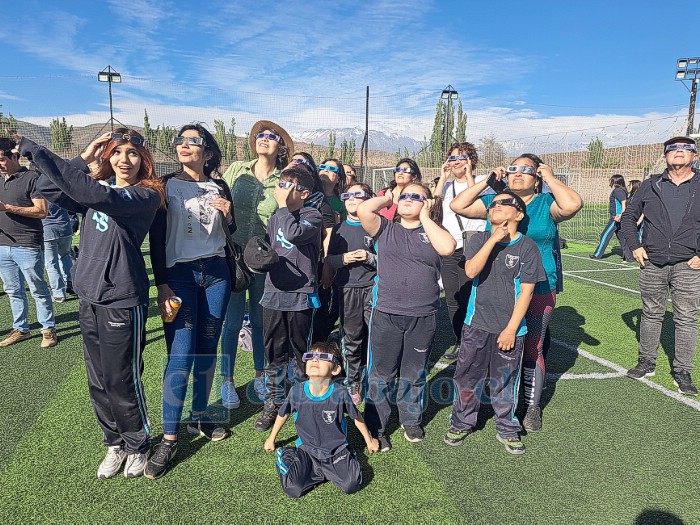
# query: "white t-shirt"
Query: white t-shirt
449,218
195,228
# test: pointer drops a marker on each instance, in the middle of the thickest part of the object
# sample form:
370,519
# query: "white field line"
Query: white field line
596,261
692,403
592,375
567,274
602,270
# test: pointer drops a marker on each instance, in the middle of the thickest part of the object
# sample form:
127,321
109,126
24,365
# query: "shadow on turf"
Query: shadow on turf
668,331
657,517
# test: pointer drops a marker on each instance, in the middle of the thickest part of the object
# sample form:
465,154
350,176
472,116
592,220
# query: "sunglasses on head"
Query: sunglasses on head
132,139
353,194
684,147
286,184
328,167
453,158
403,170
416,197
505,202
321,356
268,136
192,141
526,170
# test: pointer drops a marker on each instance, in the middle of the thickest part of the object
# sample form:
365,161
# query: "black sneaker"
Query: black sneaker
455,437
203,426
644,368
268,416
532,422
157,464
413,433
684,382
384,443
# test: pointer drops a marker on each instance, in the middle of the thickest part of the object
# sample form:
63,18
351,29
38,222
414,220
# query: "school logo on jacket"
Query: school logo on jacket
102,221
424,238
512,261
282,240
329,416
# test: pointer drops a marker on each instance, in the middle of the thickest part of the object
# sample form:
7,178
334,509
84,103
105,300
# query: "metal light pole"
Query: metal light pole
689,69
449,94
110,75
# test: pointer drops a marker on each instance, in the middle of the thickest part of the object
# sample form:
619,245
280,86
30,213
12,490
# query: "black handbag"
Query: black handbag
241,276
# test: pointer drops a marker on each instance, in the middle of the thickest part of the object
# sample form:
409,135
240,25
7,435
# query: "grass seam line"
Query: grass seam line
614,366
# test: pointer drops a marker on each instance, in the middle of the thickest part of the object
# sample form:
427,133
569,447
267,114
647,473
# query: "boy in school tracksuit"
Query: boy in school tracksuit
319,406
351,255
505,266
291,287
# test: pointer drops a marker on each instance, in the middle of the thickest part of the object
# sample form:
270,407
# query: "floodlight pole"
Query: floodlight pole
691,106
109,75
449,94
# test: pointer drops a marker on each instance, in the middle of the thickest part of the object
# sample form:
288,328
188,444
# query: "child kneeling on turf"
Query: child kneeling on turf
322,451
505,266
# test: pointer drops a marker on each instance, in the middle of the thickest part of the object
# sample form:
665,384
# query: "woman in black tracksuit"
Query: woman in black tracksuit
118,202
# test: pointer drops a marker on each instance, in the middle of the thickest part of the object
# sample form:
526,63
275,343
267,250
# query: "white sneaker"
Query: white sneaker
135,463
112,462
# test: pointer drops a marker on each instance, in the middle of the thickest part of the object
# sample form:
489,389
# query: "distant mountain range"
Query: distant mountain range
378,140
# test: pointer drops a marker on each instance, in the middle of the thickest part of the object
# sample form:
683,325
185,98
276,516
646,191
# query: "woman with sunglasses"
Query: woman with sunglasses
252,185
405,172
405,301
189,261
351,266
525,177
461,161
118,202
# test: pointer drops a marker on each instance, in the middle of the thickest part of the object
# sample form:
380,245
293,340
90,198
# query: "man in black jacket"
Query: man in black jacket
668,255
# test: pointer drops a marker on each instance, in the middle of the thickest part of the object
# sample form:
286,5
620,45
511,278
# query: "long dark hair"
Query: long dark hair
210,146
436,210
617,181
537,161
417,177
340,184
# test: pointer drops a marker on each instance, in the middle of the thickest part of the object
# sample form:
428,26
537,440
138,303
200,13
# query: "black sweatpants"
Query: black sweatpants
285,334
354,329
327,315
398,345
480,362
301,471
113,344
457,287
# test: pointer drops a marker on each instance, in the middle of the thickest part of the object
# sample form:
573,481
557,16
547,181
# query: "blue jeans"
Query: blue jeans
234,321
58,264
17,265
192,338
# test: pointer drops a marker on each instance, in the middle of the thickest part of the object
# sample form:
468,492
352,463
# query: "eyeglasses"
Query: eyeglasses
353,194
684,147
453,158
321,356
137,141
328,167
403,170
301,161
285,185
269,136
192,141
505,202
526,170
416,197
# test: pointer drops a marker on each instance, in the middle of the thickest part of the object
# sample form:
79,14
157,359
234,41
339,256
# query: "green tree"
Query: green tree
461,131
164,139
8,125
331,145
596,154
491,152
344,151
351,151
437,137
247,152
148,132
398,155
226,145
61,135
233,140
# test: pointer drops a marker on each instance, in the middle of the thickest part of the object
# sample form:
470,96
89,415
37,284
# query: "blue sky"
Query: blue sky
521,68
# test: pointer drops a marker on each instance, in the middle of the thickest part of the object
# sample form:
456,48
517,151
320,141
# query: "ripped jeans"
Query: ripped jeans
192,338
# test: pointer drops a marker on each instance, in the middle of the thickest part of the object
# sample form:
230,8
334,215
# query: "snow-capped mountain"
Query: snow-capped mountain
378,140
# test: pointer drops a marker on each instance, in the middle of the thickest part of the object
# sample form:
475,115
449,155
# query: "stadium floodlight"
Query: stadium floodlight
109,75
689,69
449,94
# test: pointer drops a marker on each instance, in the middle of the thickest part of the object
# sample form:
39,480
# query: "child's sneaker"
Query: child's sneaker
229,396
513,444
413,433
455,437
203,426
112,462
135,463
532,422
158,463
384,443
268,416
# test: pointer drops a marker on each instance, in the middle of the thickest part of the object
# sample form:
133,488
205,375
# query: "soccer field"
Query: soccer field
612,450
